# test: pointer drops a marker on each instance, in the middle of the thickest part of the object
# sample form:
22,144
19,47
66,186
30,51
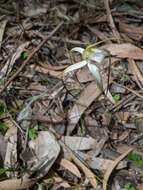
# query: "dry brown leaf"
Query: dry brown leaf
71,167
112,167
84,75
140,186
121,148
61,182
132,31
88,173
125,50
16,184
89,94
79,143
46,150
53,177
100,164
58,180
54,67
123,136
57,74
103,164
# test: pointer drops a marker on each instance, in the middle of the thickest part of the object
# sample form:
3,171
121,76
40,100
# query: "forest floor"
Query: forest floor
71,119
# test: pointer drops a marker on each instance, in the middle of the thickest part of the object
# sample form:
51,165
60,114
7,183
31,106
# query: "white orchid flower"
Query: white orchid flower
88,55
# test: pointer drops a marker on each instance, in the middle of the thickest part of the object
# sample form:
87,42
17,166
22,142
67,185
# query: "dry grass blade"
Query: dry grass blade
2,28
112,167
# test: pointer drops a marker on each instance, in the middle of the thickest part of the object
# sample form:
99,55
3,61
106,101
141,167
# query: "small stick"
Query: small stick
30,57
129,89
111,21
136,138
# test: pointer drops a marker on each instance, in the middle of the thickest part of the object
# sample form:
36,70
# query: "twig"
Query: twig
129,89
136,72
122,103
111,21
136,138
30,57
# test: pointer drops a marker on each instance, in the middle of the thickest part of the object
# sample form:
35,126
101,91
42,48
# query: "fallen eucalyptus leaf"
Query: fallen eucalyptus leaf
79,143
46,150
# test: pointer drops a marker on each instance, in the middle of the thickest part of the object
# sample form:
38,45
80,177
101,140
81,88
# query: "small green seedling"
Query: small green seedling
32,133
4,170
128,186
117,97
3,127
136,159
2,108
24,55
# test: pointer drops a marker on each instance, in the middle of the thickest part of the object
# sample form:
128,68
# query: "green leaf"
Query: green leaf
3,127
32,133
117,97
24,55
4,170
128,186
136,159
2,108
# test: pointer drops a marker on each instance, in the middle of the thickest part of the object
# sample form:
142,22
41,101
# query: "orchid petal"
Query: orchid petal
78,49
96,73
98,55
109,96
75,66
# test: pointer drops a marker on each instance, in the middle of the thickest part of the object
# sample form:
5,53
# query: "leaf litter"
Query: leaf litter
76,131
